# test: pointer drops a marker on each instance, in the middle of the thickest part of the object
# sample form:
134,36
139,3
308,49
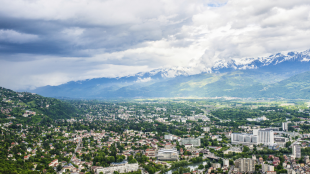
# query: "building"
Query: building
296,151
151,153
54,163
271,172
243,138
265,137
306,159
233,150
267,168
263,118
168,137
194,141
122,167
284,126
245,165
225,162
206,129
183,120
215,147
168,154
281,141
259,136
291,171
216,165
274,147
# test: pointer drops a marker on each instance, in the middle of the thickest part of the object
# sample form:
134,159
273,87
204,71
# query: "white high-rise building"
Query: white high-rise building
267,168
245,165
284,126
226,162
259,136
266,137
296,151
255,131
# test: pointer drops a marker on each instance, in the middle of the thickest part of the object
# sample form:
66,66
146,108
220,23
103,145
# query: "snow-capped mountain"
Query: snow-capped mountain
254,63
254,75
233,64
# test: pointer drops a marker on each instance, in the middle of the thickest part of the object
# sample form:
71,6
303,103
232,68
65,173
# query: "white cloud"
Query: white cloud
12,36
107,12
54,71
125,37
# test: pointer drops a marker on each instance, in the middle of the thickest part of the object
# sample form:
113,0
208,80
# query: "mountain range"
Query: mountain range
276,76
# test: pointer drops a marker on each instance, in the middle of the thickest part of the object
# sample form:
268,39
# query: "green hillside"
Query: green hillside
295,87
234,84
29,107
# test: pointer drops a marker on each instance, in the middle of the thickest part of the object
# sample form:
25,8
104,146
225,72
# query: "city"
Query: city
154,87
154,136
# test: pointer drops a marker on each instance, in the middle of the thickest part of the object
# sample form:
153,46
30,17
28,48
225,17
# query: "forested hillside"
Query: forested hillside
29,107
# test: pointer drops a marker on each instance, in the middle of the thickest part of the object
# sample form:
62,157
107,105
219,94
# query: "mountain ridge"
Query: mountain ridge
252,73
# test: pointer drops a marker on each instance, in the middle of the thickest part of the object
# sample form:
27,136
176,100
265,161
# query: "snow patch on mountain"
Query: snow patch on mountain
235,63
143,80
254,63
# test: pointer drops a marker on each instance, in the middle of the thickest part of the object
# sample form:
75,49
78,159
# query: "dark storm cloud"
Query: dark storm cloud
52,40
94,38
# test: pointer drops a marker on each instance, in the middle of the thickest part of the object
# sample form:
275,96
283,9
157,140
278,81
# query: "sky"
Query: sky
53,42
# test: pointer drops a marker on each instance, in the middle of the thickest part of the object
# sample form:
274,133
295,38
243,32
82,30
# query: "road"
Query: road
230,169
78,145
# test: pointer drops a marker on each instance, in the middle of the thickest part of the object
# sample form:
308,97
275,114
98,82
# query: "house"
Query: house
29,149
54,163
151,153
153,144
215,147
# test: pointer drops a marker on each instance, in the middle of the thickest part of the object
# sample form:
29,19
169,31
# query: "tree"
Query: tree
246,149
58,167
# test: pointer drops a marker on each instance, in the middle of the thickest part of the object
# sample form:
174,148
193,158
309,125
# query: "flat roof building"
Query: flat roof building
259,136
168,154
194,141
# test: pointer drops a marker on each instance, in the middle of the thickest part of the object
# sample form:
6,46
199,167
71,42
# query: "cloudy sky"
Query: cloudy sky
52,42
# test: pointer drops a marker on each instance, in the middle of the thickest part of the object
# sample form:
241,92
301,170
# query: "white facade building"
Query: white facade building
226,162
194,141
266,137
284,126
267,168
206,129
216,165
168,137
259,136
168,154
296,151
245,165
242,138
123,167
